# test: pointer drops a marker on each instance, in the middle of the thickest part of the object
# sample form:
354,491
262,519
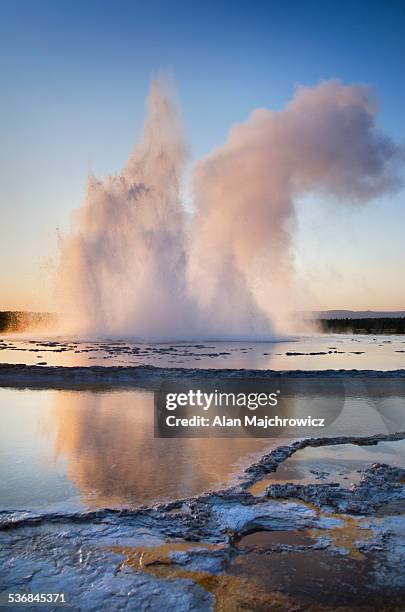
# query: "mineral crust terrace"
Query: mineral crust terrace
190,553
150,377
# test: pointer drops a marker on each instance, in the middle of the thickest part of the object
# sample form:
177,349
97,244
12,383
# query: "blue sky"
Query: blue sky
74,77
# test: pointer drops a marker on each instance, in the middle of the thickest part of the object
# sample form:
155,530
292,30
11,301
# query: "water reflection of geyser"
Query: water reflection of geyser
113,458
135,266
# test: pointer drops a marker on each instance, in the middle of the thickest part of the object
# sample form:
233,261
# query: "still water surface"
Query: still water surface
89,449
66,450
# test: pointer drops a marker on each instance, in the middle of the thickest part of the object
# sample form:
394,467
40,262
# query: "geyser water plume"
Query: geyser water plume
132,266
324,141
123,266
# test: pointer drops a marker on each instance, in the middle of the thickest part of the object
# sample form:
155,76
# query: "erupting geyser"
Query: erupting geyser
123,267
134,266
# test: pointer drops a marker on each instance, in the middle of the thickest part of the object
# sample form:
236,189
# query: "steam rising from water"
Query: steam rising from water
133,266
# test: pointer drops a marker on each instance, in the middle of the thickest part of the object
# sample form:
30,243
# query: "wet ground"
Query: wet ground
227,550
92,506
316,352
343,464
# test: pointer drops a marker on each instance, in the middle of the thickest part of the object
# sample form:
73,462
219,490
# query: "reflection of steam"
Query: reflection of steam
114,459
130,268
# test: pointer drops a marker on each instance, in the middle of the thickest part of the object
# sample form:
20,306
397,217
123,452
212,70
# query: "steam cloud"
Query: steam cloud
132,266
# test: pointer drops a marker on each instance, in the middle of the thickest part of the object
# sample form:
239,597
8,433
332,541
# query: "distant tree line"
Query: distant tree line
16,321
383,325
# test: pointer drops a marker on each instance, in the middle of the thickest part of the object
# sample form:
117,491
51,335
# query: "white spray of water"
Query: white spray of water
123,267
130,267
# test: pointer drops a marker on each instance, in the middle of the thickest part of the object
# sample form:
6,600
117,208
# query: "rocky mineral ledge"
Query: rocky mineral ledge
21,375
310,548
